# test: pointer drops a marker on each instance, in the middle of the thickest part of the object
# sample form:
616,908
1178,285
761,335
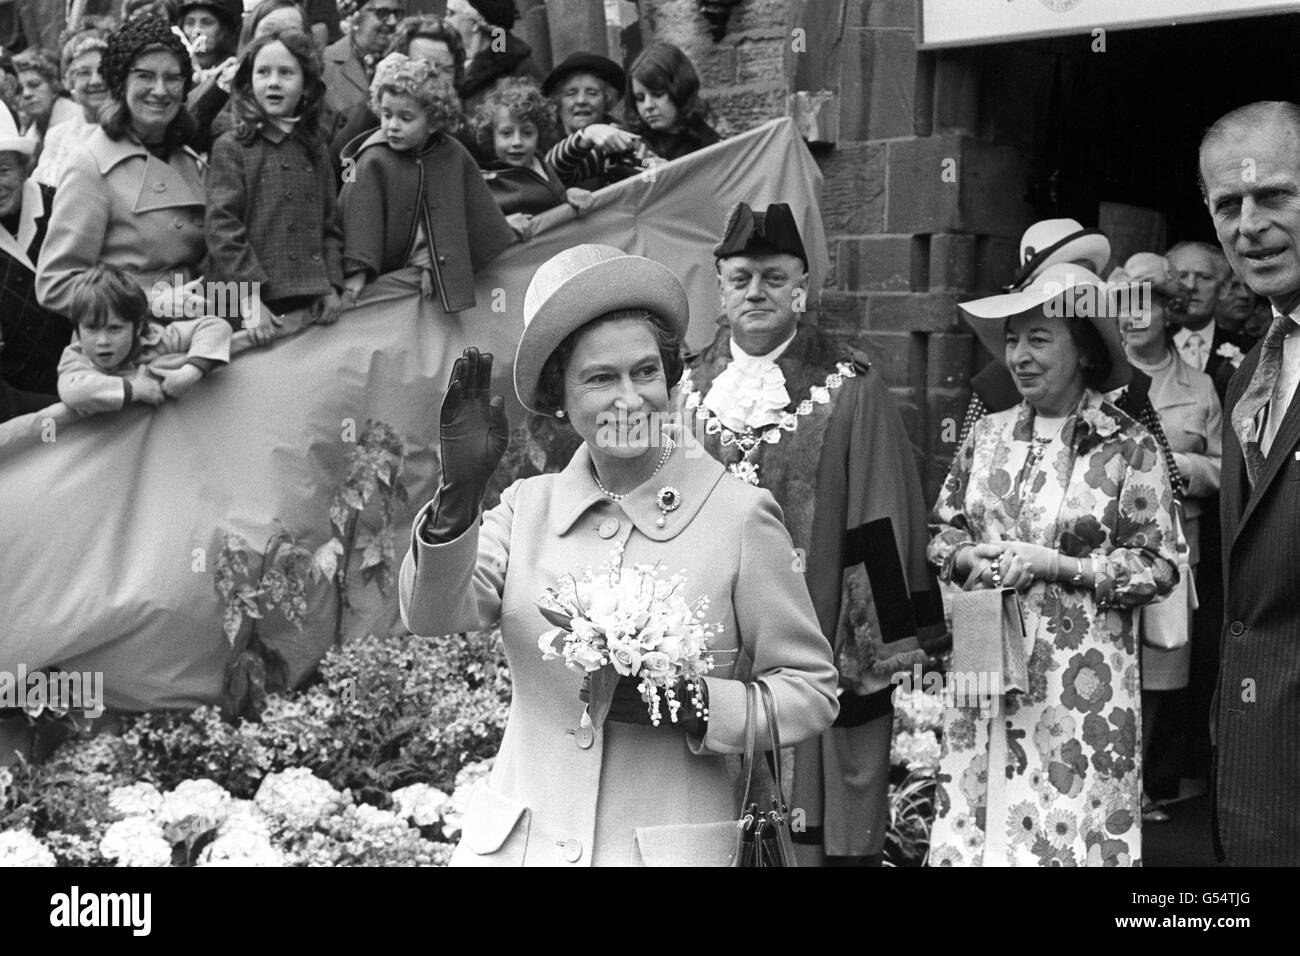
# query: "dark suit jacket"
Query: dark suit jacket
1218,367
1257,760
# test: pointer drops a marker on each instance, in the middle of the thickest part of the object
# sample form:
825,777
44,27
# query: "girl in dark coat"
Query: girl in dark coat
272,221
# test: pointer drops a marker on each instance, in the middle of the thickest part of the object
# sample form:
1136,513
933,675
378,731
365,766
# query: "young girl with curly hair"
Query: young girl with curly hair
513,123
412,195
272,221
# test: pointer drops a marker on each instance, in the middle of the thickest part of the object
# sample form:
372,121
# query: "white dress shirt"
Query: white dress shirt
1195,354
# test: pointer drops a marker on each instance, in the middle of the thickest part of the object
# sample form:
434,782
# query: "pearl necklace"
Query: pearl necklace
663,459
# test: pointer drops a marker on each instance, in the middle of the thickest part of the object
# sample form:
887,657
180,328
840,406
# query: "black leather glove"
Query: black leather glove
474,435
627,706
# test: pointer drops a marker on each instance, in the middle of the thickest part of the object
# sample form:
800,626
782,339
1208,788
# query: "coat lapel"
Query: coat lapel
33,208
1288,435
162,187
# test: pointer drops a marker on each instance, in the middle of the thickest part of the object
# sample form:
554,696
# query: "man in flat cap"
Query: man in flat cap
784,407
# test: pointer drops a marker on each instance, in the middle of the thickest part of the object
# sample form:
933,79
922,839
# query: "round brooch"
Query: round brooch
668,499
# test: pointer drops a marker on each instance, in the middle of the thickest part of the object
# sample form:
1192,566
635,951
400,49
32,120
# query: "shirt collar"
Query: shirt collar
770,358
690,470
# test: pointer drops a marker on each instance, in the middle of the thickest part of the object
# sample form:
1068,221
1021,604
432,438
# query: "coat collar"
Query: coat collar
344,53
689,469
33,208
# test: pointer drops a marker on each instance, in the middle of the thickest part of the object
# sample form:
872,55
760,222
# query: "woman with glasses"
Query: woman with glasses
83,78
134,196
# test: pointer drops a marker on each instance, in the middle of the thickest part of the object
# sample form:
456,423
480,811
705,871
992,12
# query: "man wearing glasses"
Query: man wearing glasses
350,63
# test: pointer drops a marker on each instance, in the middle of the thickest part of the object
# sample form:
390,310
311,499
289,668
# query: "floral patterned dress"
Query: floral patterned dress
1070,791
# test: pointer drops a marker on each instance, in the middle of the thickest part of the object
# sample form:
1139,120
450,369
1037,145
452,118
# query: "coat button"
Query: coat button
160,187
288,194
315,257
1236,628
284,164
572,850
584,737
608,528
442,259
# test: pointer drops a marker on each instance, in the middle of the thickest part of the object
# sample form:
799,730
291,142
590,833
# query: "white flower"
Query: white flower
240,847
466,780
819,394
135,800
374,820
296,798
546,643
20,848
625,656
1231,352
586,657
192,809
657,665
420,803
136,841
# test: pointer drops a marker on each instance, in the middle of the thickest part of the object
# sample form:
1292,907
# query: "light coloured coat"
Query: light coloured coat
557,794
117,203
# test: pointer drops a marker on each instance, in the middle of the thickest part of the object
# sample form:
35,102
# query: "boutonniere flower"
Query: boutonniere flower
1231,352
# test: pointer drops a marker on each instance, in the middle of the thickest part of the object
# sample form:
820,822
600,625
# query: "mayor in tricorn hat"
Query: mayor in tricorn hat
785,407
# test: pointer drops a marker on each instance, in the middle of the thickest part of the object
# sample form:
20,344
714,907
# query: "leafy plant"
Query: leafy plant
255,668
374,471
911,812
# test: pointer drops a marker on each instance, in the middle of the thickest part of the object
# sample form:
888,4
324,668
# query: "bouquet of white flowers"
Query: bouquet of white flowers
635,623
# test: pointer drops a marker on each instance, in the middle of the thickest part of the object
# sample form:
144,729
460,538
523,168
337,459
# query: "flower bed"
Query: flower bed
914,761
354,770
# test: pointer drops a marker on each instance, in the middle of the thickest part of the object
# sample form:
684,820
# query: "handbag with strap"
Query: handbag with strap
988,645
1167,625
764,834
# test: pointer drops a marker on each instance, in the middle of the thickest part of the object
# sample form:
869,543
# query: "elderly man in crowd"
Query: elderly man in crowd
1200,342
34,337
786,408
1257,728
595,151
350,63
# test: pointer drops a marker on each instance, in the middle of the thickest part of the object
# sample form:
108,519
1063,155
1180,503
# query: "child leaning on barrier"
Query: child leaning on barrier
272,222
118,356
512,123
415,196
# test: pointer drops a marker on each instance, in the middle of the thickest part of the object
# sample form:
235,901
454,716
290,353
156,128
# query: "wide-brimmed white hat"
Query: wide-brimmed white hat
580,284
10,141
1054,241
1057,282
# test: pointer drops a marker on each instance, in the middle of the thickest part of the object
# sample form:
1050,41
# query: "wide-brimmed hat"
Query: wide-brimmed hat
1055,241
593,63
10,141
1060,281
577,285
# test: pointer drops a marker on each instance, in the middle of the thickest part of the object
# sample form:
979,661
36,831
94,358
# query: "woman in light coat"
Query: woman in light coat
1192,419
133,195
601,347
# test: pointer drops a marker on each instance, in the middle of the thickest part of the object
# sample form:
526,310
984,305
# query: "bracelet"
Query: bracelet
1077,578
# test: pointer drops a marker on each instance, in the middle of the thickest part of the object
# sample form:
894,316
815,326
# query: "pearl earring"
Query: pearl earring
559,413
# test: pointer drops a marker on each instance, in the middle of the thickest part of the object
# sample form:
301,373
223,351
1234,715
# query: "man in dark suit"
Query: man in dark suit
1250,174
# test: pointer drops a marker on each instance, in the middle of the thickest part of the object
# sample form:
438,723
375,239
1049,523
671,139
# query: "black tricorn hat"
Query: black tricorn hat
751,233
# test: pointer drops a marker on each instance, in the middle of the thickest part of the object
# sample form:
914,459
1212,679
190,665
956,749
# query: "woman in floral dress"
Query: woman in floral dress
1068,500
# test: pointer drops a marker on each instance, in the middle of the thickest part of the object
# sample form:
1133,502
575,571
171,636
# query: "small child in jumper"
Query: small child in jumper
118,356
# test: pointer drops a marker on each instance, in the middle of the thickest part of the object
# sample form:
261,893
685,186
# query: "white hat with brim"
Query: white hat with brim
583,283
1053,241
10,141
988,316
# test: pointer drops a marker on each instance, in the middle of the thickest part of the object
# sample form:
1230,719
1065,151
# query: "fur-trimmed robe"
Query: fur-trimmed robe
848,486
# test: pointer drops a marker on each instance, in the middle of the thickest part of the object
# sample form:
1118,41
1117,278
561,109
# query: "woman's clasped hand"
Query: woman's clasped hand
1010,564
